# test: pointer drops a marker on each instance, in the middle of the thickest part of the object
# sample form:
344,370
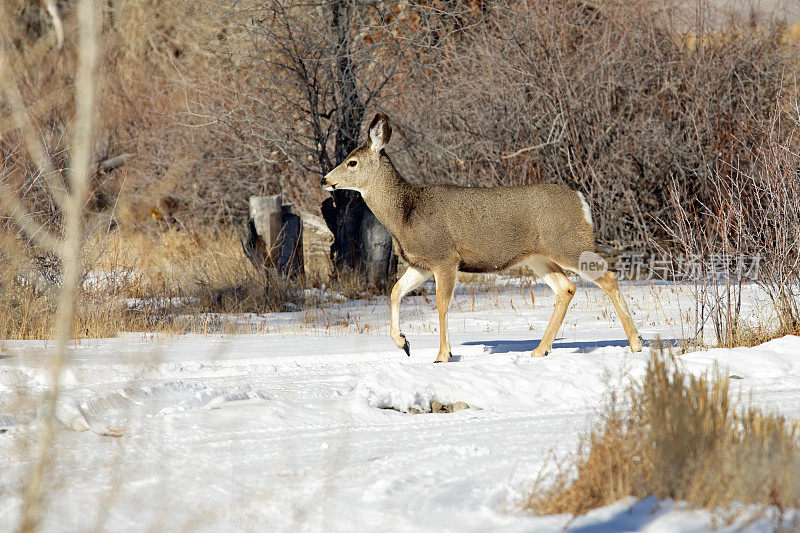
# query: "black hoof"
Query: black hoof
449,356
407,348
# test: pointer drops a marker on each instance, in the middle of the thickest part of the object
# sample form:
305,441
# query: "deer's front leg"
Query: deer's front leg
410,280
445,282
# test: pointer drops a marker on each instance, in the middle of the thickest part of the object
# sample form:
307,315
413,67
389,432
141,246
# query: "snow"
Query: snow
306,425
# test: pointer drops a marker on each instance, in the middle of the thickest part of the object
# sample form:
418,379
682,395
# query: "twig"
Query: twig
85,88
527,149
41,236
22,118
52,10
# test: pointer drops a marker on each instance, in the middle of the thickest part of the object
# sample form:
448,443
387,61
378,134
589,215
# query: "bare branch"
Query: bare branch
85,97
52,10
40,235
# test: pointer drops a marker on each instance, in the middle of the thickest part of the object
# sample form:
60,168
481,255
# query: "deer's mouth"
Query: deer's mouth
327,185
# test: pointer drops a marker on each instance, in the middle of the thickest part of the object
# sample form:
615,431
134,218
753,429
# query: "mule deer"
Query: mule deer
442,229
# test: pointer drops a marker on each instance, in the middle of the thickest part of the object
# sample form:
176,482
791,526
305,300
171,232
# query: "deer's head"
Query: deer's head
360,167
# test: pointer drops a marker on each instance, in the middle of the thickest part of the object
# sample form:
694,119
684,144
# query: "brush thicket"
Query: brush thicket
681,437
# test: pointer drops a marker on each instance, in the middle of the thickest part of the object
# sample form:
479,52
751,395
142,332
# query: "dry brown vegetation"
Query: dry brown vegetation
142,282
173,281
201,104
129,144
679,436
613,98
608,100
753,212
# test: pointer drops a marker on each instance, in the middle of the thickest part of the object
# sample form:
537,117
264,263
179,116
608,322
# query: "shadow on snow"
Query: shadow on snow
508,346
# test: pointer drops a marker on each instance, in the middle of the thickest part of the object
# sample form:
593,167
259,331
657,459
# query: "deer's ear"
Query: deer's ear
379,132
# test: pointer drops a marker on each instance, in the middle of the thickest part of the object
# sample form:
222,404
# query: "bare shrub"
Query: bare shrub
679,436
156,51
753,211
765,202
606,98
613,99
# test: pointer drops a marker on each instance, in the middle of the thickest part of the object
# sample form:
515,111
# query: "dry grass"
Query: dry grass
170,262
743,334
680,436
27,314
141,282
208,264
170,281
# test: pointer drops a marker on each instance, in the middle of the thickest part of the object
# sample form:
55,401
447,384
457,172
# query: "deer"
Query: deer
442,229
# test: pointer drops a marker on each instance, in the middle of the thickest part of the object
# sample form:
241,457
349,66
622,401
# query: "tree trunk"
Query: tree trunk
343,214
380,262
351,108
359,240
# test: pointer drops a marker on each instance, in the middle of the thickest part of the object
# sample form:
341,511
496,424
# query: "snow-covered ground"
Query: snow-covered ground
305,426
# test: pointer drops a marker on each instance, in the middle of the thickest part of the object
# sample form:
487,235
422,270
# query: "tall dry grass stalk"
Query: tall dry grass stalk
68,247
679,436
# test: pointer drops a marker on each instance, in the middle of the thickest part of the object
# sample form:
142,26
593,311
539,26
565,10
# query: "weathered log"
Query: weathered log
274,236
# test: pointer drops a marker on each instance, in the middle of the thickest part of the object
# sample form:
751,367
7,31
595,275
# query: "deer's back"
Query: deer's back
489,229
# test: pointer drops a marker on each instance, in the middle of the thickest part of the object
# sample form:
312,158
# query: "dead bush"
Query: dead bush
612,98
155,51
681,437
149,282
751,216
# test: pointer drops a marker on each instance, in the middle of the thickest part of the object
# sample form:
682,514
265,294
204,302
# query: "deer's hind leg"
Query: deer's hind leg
608,282
445,283
410,280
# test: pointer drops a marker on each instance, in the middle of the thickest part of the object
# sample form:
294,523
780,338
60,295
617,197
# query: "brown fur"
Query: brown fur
441,229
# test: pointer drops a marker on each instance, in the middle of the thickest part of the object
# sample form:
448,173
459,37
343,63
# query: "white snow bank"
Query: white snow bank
290,430
496,383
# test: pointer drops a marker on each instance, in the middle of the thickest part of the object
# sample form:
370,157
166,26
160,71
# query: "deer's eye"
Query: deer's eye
352,163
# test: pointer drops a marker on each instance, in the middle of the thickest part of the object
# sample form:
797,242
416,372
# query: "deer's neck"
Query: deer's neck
390,198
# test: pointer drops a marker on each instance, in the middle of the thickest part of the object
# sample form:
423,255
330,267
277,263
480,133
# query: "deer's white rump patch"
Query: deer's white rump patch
587,213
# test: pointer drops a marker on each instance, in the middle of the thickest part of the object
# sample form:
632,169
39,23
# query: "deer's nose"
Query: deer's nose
323,182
